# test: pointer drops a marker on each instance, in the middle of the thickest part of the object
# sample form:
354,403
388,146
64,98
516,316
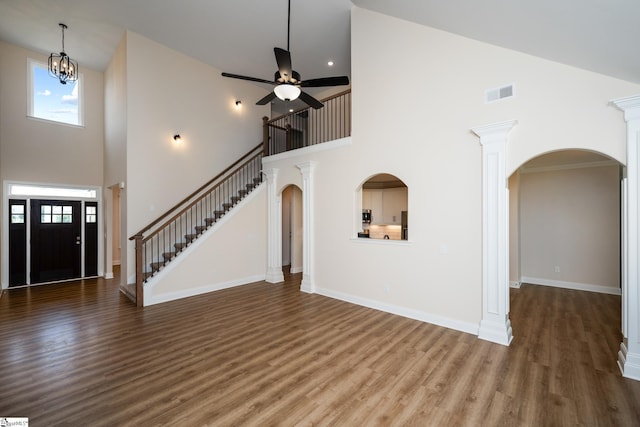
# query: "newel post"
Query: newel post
139,288
495,325
265,135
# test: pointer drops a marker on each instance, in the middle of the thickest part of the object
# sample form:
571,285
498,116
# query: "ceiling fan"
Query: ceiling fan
287,81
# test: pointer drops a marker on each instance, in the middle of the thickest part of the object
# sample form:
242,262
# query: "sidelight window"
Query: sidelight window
91,215
17,214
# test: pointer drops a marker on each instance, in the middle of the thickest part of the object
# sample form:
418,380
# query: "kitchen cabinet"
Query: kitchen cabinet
386,205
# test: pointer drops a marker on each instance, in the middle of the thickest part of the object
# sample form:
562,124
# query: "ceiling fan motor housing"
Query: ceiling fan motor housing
294,79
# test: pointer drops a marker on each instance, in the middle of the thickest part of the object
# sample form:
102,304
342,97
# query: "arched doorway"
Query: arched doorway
564,222
495,325
292,229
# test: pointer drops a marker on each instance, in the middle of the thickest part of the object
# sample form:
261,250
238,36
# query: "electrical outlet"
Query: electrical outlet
557,269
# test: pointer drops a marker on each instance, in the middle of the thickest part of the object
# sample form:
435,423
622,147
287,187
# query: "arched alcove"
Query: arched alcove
385,201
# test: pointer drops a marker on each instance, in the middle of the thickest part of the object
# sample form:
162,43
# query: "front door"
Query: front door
55,240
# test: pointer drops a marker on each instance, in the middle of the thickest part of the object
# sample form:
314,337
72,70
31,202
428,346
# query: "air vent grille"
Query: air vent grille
498,93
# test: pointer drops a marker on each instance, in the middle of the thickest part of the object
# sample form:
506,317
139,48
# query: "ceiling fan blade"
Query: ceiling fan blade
283,58
326,81
251,79
310,100
267,99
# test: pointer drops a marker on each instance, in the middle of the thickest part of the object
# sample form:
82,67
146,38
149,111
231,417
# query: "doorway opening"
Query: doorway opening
52,234
565,225
292,230
565,231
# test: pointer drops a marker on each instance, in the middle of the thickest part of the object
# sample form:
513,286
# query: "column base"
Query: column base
497,332
274,275
629,363
307,286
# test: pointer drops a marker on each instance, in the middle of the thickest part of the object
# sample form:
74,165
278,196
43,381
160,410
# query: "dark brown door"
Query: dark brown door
55,240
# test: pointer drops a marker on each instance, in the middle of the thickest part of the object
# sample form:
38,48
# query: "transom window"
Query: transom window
56,214
50,100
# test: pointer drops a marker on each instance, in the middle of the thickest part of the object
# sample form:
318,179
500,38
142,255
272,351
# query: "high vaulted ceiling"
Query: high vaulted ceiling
238,36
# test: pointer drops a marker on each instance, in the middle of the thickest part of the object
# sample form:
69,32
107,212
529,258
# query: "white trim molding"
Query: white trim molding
434,319
602,289
495,325
306,169
274,228
629,354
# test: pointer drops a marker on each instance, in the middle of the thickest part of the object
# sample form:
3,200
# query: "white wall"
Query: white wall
231,253
514,229
570,222
422,135
168,93
115,157
38,151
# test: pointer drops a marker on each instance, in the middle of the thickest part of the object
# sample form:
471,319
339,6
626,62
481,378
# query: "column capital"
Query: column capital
271,174
494,132
307,168
630,105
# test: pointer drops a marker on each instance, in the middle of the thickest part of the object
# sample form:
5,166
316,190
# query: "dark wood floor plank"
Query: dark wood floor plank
263,354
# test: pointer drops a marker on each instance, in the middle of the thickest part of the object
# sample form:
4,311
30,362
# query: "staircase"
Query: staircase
167,237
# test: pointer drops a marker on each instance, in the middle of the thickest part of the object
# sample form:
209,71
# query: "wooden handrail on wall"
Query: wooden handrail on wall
306,126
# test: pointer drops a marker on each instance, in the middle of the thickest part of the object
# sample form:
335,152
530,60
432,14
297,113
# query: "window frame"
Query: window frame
31,64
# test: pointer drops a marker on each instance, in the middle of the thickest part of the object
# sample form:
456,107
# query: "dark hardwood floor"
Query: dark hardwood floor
81,354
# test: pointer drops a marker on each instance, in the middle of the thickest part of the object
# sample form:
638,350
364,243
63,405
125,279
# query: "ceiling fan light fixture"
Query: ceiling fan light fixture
287,92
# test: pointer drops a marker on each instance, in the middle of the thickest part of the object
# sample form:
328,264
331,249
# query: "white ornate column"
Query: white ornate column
274,232
306,169
629,354
495,325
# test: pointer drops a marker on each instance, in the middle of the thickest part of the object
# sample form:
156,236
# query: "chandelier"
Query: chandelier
61,66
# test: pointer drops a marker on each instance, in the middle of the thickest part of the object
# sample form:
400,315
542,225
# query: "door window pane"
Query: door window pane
45,214
56,214
17,214
91,214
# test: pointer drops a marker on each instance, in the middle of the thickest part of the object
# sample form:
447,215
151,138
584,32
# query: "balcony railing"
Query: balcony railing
307,126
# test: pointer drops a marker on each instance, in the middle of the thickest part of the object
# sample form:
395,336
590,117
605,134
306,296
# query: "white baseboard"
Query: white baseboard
515,285
572,285
295,270
108,276
171,296
470,328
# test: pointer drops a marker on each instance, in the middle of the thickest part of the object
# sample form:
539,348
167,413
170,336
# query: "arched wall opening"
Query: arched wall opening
292,229
385,202
565,222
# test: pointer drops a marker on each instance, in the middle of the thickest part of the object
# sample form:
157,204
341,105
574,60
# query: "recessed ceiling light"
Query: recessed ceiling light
291,110
330,63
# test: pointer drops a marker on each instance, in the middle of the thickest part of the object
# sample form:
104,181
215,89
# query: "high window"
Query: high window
50,100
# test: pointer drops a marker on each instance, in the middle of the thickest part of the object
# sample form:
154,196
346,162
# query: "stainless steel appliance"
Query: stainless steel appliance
366,216
405,225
